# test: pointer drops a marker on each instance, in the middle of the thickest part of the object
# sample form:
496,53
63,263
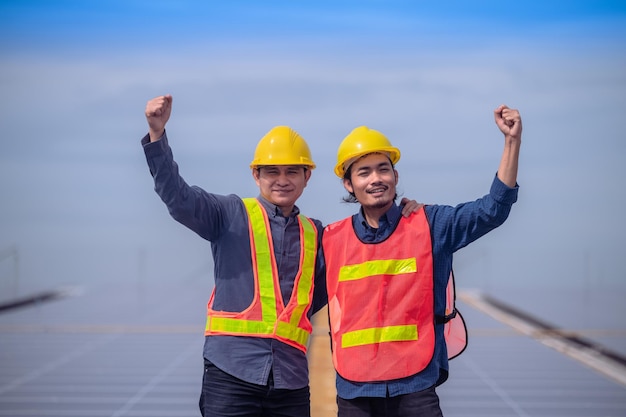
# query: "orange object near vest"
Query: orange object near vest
381,300
267,316
454,331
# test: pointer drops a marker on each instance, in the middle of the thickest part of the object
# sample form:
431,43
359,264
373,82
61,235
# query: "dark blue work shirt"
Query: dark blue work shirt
223,220
451,228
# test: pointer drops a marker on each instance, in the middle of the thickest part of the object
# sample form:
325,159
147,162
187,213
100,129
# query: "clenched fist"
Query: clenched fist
509,121
158,112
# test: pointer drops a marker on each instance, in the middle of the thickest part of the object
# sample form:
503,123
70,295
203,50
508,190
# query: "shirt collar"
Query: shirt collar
386,224
273,210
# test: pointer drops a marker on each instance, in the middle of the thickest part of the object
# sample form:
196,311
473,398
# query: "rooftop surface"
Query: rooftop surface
112,349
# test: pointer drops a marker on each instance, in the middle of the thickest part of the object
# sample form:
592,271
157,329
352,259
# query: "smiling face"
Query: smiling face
281,185
373,182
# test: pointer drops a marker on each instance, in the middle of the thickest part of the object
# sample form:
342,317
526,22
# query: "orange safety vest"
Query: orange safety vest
267,316
380,300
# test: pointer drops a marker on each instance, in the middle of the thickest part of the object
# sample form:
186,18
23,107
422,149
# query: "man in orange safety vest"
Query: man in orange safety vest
387,276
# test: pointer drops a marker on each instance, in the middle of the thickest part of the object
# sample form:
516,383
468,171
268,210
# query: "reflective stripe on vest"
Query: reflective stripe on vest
378,334
381,300
369,268
266,316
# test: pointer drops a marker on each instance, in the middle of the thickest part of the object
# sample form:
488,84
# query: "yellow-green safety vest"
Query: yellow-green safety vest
267,316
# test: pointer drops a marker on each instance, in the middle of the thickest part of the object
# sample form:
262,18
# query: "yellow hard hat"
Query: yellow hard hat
282,146
362,141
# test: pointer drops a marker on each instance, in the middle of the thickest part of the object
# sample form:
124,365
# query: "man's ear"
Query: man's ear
397,175
347,184
307,176
256,174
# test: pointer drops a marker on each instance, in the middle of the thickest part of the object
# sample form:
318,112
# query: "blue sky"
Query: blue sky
78,200
147,25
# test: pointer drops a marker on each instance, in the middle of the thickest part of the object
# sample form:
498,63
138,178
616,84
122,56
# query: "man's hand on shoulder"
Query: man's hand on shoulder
409,206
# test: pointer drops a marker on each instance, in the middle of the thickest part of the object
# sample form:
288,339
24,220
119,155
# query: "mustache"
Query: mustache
377,186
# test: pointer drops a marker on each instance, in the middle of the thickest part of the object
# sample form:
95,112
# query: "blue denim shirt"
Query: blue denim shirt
451,229
223,221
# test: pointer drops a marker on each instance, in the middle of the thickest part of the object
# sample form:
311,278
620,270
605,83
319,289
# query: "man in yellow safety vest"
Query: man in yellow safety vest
269,277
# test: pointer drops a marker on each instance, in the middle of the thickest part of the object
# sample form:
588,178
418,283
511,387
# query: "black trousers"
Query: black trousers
223,395
419,404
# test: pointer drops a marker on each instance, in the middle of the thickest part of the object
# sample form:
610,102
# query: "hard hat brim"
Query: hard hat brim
392,152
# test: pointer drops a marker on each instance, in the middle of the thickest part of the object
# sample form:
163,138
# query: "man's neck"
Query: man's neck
373,214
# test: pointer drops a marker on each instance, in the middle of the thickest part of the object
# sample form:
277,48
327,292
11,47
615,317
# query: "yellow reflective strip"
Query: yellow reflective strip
379,335
263,259
231,325
290,332
308,262
307,268
308,247
380,267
